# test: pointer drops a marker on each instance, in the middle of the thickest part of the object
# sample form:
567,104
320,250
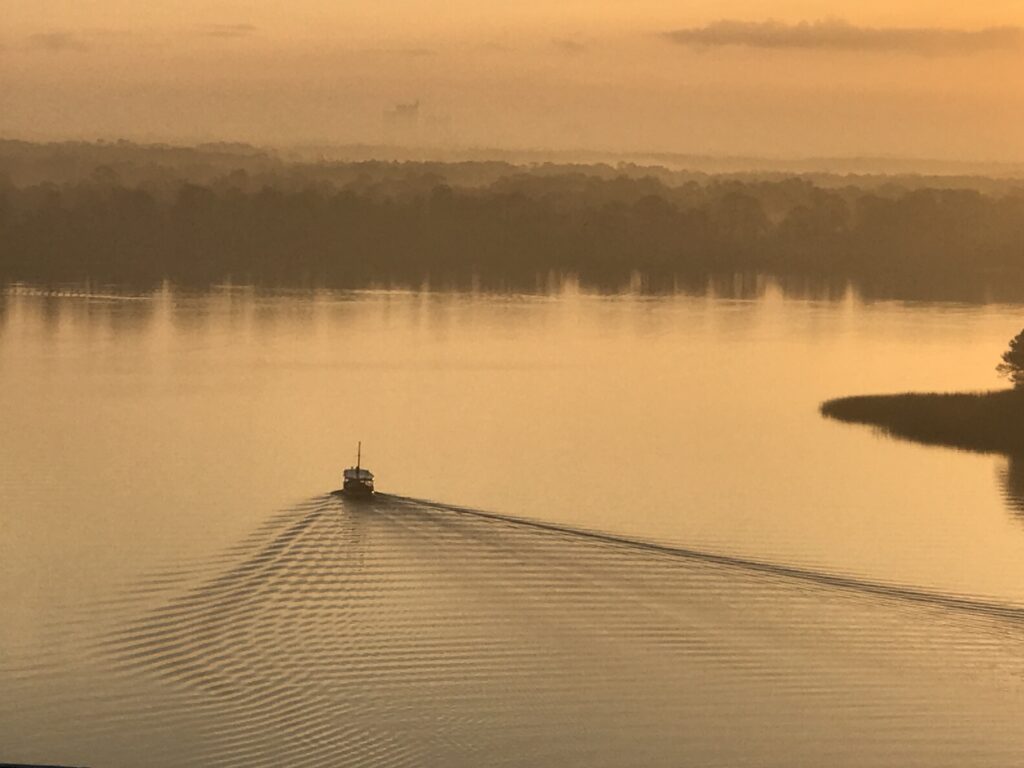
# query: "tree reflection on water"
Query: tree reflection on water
1012,478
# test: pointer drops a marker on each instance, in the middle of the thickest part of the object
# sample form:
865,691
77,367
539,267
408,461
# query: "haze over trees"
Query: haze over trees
128,213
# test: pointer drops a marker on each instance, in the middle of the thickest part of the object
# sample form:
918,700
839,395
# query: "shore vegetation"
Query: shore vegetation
124,212
990,422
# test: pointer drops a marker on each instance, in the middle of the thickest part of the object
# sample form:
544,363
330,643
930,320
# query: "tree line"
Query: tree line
280,224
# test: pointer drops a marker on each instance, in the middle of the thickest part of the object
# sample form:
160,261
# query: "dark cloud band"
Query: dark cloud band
57,42
842,36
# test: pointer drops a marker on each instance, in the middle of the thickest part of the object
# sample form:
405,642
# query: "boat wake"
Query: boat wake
401,632
822,578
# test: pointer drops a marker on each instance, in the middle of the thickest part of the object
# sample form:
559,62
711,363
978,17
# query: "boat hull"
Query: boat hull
357,489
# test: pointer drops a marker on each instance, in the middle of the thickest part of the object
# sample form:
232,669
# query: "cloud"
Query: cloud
837,35
568,45
413,53
404,53
228,30
498,46
57,42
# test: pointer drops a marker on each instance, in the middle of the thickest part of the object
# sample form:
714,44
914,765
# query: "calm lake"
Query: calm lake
178,586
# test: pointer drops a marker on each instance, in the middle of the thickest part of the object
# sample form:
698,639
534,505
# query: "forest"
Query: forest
136,214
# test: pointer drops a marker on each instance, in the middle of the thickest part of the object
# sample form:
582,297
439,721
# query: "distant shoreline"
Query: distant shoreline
986,422
144,215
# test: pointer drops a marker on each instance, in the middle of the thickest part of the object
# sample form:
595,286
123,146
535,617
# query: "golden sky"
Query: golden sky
778,78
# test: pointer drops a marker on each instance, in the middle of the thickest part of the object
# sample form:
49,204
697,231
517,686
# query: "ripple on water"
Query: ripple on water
403,633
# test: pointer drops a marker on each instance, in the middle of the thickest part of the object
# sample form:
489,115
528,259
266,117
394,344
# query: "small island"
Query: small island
990,422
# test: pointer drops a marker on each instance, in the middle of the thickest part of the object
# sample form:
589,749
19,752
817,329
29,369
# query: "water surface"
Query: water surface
177,587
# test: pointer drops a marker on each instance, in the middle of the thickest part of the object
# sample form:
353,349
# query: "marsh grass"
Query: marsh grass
976,421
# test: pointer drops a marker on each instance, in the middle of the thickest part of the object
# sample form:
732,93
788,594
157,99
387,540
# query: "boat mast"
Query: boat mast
359,454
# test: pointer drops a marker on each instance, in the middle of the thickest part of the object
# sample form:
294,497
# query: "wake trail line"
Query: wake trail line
996,609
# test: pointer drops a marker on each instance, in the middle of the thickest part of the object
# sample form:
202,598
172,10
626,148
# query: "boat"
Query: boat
356,481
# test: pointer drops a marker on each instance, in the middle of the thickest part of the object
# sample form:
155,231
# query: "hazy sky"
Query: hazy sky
777,77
